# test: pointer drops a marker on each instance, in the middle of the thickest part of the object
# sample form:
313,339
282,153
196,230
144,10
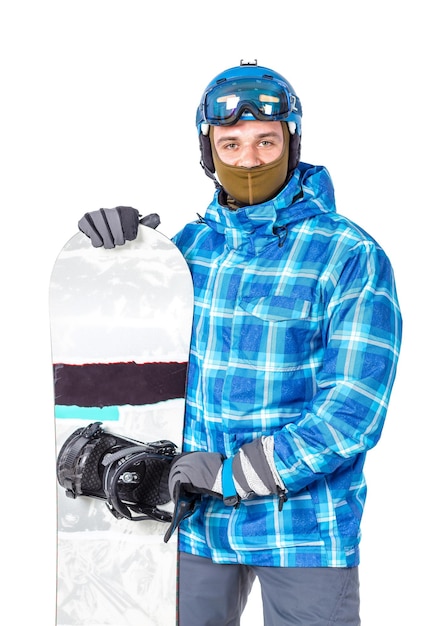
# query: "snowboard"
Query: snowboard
120,323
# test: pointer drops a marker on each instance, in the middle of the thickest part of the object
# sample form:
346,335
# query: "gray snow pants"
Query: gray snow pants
215,595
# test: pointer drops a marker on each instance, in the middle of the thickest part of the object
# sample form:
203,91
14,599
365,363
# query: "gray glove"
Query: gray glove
254,472
196,472
113,227
251,472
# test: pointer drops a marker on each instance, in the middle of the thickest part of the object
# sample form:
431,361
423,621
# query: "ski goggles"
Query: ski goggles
265,100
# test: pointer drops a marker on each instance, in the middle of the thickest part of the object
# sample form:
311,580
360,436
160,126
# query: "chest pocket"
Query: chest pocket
278,308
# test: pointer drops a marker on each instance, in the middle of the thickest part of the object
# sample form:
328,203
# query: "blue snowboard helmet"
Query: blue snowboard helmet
248,92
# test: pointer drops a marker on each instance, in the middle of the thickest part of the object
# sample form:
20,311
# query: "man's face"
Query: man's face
249,143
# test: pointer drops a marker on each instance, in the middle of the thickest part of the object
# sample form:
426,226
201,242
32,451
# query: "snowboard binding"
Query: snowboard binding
130,476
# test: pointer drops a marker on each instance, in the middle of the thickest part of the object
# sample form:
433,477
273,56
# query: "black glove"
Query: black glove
113,227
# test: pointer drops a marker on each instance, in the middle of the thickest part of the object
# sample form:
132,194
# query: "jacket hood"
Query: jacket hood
309,192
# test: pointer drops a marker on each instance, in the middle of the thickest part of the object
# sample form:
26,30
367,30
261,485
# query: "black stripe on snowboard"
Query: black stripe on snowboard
117,384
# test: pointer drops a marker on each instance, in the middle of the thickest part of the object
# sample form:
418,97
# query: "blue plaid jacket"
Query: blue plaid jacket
296,335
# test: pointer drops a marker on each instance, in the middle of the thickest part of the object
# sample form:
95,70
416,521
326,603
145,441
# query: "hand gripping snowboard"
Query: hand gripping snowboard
120,331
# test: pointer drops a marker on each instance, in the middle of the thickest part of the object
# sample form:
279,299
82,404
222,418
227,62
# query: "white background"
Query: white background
98,104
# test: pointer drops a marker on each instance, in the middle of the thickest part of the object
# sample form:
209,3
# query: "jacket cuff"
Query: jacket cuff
230,495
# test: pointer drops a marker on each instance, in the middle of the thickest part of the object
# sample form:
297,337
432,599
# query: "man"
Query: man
294,349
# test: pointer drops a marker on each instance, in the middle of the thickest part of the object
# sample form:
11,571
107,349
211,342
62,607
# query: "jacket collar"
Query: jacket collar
251,228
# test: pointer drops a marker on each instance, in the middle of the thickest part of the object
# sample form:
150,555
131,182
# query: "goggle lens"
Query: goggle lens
225,103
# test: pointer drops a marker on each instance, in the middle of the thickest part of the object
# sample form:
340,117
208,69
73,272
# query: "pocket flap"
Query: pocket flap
277,308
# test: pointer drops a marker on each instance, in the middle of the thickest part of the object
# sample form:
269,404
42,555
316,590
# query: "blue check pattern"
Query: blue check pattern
296,337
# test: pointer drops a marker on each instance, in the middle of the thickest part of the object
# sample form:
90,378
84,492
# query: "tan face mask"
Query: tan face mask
253,185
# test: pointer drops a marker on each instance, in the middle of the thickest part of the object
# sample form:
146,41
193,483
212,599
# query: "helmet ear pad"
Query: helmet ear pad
206,154
294,152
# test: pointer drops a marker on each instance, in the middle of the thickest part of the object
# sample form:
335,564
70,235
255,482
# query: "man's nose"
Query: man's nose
249,157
